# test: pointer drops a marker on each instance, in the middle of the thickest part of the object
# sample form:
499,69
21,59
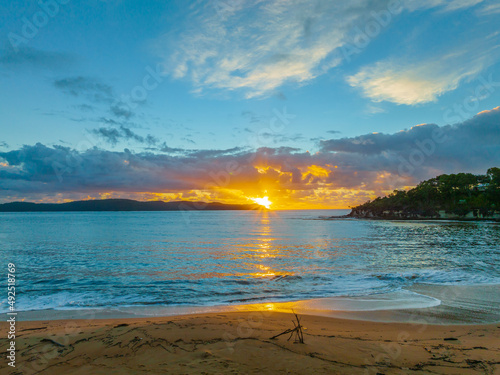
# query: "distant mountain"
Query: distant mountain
121,205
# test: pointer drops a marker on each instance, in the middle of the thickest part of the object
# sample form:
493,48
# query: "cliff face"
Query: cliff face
439,215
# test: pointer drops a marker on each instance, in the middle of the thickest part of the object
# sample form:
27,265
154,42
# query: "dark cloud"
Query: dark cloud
376,143
333,131
164,148
364,165
85,107
109,121
151,140
189,140
275,138
110,135
281,138
122,111
99,96
31,57
426,150
90,88
114,135
251,116
3,144
470,143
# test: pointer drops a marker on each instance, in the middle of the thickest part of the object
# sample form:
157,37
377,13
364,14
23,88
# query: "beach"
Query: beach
239,343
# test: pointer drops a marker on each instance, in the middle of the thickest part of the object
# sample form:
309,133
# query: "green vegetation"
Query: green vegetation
457,194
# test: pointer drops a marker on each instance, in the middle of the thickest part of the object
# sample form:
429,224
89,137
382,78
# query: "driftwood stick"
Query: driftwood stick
53,342
297,330
282,333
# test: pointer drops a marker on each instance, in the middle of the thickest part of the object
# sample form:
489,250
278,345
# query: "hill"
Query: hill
453,196
121,205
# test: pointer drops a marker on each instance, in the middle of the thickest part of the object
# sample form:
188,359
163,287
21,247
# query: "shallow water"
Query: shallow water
103,260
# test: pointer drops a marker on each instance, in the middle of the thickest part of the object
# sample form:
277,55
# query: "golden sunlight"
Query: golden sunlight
263,201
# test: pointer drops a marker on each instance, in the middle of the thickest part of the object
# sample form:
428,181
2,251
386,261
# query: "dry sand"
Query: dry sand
239,343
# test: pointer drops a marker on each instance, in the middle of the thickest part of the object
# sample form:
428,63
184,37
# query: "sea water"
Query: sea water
147,260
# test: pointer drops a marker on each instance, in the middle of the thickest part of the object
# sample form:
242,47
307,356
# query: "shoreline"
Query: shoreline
434,304
240,342
458,335
398,218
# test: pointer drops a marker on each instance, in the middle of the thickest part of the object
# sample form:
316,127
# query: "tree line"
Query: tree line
457,194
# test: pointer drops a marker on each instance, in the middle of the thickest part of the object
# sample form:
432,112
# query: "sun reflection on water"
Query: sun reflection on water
264,249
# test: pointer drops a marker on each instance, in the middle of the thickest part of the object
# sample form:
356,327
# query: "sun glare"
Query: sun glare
262,201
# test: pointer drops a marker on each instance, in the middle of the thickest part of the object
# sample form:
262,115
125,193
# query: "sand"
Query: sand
239,343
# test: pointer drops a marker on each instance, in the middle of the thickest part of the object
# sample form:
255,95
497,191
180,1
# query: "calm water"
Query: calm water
103,260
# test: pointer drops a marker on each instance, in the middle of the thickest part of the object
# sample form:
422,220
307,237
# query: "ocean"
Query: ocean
149,262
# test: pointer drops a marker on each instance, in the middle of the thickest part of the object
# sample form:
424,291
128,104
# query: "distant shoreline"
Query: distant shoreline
117,205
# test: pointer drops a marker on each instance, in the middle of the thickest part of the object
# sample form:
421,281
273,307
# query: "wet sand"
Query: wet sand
239,343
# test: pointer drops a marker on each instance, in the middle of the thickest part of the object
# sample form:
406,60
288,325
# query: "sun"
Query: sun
263,201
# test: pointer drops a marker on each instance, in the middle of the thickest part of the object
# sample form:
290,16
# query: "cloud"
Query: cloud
348,169
114,135
460,4
422,76
121,110
489,9
215,153
32,57
420,82
91,88
373,110
85,107
164,148
257,46
252,116
445,5
472,145
100,97
268,137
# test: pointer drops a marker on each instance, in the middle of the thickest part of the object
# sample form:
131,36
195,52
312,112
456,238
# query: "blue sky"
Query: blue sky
171,78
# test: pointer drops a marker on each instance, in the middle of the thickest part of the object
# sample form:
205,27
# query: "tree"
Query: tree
454,193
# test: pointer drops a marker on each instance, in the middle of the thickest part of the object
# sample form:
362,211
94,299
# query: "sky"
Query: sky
315,104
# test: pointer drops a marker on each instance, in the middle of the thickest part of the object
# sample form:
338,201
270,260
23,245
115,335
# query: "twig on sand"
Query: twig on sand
53,342
297,330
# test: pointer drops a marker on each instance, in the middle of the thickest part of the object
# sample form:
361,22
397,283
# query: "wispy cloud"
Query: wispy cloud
32,57
91,88
261,45
257,46
99,97
120,110
422,81
444,5
114,135
460,4
489,9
